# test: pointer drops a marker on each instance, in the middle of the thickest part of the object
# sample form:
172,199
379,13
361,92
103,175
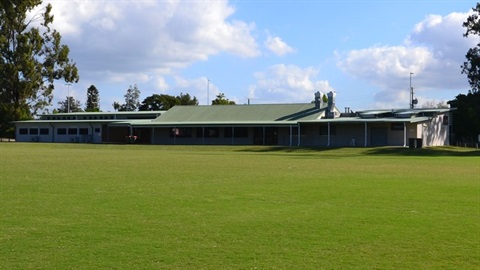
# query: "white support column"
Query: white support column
174,135
404,134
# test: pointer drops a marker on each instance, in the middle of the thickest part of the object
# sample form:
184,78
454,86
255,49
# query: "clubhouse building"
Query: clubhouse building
317,124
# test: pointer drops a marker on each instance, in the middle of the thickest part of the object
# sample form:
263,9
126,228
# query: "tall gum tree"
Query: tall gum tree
32,58
472,66
466,117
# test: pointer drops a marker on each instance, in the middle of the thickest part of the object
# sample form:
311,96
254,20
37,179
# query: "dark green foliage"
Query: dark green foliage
116,106
472,66
466,117
32,59
222,100
157,102
185,99
324,98
93,100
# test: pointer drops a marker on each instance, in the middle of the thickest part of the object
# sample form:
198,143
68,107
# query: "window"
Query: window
396,126
199,132
323,131
210,132
44,131
181,132
295,131
97,130
238,132
72,131
83,131
33,131
62,131
23,131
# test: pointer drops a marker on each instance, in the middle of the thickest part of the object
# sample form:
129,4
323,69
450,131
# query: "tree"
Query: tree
93,100
116,106
325,98
185,99
157,102
222,100
466,117
32,59
69,105
434,104
472,66
131,99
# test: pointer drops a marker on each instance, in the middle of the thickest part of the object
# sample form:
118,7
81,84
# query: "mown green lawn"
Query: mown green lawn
77,206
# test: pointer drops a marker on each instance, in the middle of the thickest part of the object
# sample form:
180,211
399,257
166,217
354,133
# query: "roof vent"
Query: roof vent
331,105
318,100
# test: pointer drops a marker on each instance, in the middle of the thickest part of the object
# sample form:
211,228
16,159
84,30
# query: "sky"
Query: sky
267,51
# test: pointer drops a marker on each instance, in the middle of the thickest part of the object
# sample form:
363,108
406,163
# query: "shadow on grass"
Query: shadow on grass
429,151
390,151
285,149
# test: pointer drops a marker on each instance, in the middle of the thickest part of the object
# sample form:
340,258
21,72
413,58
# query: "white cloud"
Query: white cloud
161,83
278,46
434,52
119,43
199,87
386,66
287,82
145,36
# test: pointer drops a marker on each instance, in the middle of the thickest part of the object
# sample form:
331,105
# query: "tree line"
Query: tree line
32,58
155,102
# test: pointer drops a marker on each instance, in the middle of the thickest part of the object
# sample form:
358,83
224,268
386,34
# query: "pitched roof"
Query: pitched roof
229,114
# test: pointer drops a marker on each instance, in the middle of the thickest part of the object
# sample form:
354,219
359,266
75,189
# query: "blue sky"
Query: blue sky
267,51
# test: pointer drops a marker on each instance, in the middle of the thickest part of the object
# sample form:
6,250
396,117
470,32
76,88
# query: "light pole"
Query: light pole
208,91
411,91
68,98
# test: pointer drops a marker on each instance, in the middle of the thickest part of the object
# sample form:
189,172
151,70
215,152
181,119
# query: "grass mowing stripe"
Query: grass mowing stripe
129,206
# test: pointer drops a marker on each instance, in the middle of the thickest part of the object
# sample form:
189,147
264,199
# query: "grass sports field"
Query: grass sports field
77,206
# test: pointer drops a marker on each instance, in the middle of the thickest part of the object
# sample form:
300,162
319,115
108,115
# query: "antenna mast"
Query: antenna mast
413,101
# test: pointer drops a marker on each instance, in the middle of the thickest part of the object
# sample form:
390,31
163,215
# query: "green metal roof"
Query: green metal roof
350,120
105,113
240,114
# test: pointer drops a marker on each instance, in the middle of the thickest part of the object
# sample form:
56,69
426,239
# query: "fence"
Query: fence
467,144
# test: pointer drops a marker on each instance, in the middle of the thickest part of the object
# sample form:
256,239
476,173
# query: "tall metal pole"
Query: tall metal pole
68,98
411,91
208,91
